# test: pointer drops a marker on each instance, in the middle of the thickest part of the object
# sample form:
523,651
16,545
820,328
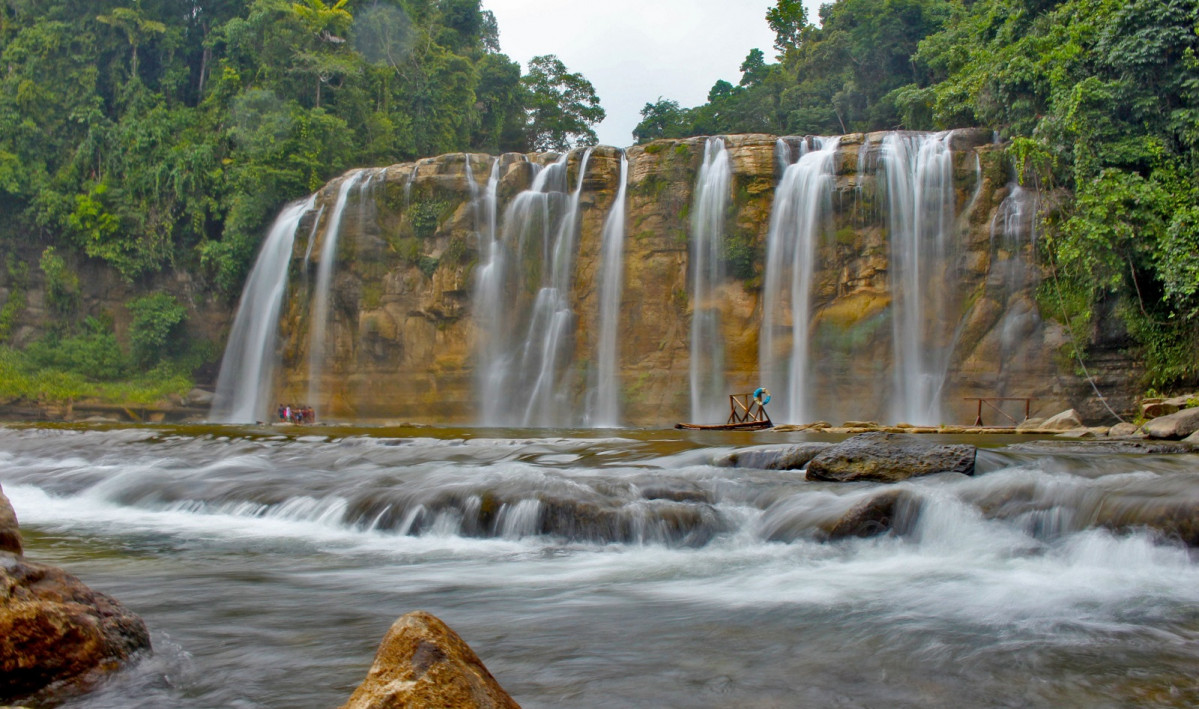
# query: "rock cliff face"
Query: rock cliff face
406,330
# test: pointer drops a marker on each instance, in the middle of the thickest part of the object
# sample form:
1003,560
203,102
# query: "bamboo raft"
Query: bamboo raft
746,413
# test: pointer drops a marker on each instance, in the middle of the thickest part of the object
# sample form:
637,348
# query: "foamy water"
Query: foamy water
611,571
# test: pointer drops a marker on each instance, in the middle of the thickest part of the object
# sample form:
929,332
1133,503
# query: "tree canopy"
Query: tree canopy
152,133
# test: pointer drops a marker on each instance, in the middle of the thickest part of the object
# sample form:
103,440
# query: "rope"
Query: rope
1077,351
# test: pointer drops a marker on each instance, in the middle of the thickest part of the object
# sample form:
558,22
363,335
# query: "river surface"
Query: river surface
610,569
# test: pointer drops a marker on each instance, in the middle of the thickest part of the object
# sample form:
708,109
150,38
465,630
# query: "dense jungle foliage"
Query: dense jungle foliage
1099,98
166,133
157,132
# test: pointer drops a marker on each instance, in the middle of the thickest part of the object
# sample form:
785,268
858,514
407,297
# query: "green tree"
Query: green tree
788,19
562,106
663,119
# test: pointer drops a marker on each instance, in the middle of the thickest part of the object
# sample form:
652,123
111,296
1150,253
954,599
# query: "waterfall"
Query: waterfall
552,325
247,373
920,201
1013,280
319,315
708,395
606,413
801,212
525,381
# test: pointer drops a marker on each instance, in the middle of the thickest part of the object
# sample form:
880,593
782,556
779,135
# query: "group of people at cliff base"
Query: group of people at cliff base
296,414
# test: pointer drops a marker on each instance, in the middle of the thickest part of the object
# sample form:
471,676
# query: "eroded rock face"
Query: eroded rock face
423,663
57,635
10,532
889,458
403,335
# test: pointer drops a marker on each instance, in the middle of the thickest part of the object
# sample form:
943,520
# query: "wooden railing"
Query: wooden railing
987,400
744,408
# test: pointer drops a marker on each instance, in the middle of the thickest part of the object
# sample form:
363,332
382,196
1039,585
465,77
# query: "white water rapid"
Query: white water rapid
593,570
247,376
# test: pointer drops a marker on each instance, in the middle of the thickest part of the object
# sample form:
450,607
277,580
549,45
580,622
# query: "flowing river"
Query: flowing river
612,569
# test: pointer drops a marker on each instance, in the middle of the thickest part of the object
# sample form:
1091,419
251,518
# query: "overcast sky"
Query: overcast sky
634,51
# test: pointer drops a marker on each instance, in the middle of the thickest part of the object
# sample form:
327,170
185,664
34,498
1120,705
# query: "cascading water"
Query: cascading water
1012,280
710,204
552,326
319,315
801,213
494,316
921,216
525,381
247,375
606,397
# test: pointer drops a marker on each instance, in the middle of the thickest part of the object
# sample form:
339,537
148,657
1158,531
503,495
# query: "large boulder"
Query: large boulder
889,457
57,636
423,663
1173,426
773,457
1067,420
10,533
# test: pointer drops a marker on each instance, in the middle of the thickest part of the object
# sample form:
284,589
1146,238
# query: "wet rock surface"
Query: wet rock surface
57,636
889,457
893,510
1102,447
422,662
10,532
774,457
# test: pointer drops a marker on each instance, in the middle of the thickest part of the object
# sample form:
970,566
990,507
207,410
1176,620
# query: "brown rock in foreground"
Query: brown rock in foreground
423,663
889,457
58,636
10,533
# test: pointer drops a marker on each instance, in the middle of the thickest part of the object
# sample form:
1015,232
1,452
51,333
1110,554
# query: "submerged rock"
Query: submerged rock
774,457
423,663
57,636
893,510
10,533
1175,520
889,457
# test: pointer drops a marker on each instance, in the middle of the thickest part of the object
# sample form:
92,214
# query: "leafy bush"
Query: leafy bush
62,285
156,330
94,355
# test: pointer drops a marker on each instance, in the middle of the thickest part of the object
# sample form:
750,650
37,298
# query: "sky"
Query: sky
635,51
